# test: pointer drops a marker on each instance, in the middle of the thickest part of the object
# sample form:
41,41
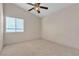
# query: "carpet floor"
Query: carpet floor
38,47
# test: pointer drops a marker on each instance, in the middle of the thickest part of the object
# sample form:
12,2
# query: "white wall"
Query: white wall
1,26
62,27
31,25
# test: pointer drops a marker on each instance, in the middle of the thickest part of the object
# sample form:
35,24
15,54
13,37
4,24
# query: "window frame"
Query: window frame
15,29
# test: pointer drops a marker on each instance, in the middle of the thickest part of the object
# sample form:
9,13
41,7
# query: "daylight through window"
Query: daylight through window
14,24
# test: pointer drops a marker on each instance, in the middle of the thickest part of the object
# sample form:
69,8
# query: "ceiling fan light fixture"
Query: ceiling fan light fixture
37,8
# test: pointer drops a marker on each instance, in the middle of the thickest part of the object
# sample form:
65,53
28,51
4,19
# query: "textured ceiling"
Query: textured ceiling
52,7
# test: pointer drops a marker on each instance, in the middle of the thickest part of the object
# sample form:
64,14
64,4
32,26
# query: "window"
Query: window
14,24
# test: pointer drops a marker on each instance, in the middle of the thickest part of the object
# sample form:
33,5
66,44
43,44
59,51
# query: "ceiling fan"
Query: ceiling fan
37,7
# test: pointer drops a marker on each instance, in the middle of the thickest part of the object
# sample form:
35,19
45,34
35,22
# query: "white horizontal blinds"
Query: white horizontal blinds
10,24
19,25
14,24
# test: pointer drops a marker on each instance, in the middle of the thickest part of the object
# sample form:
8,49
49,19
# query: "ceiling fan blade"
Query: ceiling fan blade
43,7
30,9
38,11
30,4
38,3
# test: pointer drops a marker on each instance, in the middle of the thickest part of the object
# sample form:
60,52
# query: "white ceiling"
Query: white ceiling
52,7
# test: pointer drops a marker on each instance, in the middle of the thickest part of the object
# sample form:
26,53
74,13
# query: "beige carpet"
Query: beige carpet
38,48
